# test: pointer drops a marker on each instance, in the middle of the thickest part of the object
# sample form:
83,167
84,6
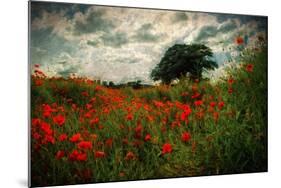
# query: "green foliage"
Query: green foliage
181,59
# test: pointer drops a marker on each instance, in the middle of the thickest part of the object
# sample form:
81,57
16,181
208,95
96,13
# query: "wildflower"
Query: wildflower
46,128
221,105
82,157
213,104
239,40
249,67
99,154
94,121
59,119
38,82
85,145
75,137
129,117
60,154
62,137
216,116
130,156
198,103
35,122
195,95
109,142
230,81
73,155
147,138
166,148
185,137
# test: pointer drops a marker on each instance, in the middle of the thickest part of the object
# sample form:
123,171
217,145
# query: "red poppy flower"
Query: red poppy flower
60,154
167,148
184,116
94,121
73,155
130,156
47,110
198,103
49,139
249,67
213,104
195,95
36,136
185,137
38,82
230,81
216,116
89,106
109,142
85,94
46,128
129,117
239,40
47,114
62,137
75,137
221,105
158,103
82,157
77,156
230,90
147,138
59,119
85,145
36,122
99,154
36,65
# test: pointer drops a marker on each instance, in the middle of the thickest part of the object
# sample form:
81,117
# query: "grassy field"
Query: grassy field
83,132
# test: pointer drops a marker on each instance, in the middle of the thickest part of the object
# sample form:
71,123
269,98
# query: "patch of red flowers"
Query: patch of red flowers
77,156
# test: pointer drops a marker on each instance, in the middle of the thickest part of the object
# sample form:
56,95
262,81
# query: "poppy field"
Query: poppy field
85,132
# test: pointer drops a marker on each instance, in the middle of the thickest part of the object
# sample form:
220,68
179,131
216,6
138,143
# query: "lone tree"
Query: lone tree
181,59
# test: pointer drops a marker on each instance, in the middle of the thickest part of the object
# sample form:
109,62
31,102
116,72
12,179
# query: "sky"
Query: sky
123,44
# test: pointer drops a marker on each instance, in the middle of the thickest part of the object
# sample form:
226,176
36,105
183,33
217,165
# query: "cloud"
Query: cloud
123,44
93,21
114,39
206,32
179,17
211,31
92,43
144,34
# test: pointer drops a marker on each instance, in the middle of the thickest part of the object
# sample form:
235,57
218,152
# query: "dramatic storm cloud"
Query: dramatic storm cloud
124,44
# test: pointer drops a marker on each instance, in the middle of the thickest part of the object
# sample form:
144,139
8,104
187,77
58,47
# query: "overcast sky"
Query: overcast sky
124,44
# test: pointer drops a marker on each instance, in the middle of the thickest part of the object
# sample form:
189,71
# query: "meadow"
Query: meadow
84,132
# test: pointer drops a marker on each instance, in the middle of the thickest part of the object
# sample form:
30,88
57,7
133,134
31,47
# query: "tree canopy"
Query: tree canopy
181,59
